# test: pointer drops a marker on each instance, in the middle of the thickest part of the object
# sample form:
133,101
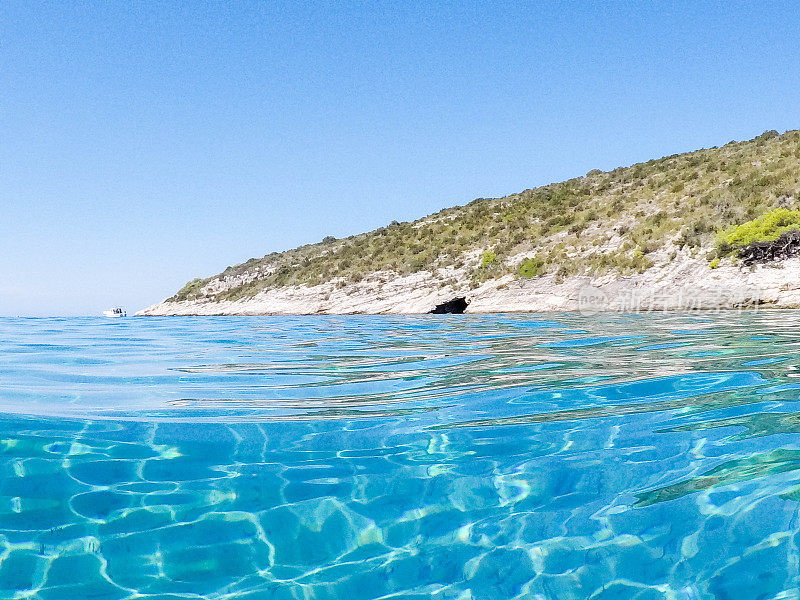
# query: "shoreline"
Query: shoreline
687,284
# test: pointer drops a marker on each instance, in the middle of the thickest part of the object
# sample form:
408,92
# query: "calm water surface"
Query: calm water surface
545,457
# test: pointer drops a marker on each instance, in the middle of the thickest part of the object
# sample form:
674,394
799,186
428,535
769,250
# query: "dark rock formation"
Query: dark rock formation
760,252
456,306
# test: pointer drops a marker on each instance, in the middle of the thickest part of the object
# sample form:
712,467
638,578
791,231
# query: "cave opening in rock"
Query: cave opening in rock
456,306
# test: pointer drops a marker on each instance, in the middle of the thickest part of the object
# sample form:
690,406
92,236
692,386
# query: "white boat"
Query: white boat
115,312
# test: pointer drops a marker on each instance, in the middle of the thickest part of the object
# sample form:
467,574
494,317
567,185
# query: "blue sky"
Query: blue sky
144,144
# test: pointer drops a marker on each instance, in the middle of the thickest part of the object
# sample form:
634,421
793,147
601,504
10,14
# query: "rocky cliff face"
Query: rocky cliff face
684,284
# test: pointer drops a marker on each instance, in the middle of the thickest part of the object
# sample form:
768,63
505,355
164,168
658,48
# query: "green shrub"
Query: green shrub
531,267
488,258
714,263
768,135
769,226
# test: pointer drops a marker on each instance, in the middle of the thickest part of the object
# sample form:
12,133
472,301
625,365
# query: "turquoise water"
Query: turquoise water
546,457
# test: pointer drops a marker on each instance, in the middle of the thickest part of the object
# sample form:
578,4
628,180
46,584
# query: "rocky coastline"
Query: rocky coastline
687,283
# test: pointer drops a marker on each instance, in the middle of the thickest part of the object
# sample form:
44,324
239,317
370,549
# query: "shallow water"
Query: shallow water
530,456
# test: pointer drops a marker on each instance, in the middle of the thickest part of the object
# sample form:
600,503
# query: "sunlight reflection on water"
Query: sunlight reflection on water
530,456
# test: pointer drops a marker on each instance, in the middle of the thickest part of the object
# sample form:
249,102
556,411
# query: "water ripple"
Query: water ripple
494,457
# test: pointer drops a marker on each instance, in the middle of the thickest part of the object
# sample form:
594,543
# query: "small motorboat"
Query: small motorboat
115,312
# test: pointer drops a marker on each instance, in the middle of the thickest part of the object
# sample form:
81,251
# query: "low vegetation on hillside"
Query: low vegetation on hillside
621,221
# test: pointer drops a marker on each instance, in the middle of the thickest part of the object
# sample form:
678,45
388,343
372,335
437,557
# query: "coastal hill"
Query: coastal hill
652,234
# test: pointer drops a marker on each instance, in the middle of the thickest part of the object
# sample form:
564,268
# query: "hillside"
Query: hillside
630,224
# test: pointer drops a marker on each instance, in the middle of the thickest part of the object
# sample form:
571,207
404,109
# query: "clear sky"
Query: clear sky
143,144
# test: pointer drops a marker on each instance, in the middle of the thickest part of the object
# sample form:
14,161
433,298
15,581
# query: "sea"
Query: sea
650,456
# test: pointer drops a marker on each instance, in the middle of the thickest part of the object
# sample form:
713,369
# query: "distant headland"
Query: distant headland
714,228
